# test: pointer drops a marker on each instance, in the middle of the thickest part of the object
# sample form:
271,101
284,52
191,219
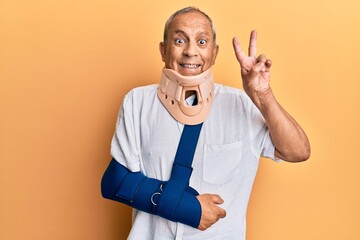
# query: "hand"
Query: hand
255,71
290,141
211,212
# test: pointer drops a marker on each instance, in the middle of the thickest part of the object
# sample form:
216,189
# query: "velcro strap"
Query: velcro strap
145,195
129,186
188,210
169,199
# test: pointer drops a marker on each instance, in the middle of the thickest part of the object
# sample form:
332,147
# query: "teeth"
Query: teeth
190,65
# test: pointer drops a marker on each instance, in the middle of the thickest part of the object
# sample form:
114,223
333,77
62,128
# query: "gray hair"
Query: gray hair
186,10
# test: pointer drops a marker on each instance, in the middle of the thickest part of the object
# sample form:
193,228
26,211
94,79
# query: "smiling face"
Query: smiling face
190,48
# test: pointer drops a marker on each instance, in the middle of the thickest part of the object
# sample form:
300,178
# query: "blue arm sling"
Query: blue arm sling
174,199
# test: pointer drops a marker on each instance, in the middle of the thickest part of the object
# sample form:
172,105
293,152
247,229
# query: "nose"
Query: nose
190,49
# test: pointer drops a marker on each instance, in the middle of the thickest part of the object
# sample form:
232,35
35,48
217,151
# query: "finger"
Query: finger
261,58
239,53
252,44
260,66
268,64
217,199
222,213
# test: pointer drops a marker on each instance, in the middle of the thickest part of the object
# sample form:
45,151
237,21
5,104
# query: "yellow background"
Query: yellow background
66,65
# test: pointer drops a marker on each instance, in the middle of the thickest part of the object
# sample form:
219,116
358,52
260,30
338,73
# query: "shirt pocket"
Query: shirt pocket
221,162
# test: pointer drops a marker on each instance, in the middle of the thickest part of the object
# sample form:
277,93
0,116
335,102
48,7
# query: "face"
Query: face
190,48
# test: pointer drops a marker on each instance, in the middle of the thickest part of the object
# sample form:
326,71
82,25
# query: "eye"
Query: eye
179,41
202,42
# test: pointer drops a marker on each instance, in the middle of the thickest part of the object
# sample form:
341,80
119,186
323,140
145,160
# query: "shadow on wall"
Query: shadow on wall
119,219
117,216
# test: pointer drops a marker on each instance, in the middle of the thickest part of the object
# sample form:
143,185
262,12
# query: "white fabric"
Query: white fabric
232,139
190,100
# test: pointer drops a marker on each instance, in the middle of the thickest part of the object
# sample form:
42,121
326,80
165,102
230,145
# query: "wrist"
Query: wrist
263,99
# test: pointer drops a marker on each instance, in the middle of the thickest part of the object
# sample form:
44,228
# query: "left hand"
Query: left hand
210,210
255,71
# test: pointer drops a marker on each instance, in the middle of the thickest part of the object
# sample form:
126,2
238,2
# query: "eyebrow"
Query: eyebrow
179,31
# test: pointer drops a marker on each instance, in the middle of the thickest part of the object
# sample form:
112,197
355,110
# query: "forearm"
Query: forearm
290,140
151,195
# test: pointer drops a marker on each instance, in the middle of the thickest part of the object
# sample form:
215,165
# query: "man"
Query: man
237,129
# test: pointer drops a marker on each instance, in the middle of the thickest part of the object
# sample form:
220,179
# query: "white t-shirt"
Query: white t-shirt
232,139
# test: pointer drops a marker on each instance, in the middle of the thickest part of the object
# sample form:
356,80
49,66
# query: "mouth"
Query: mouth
190,66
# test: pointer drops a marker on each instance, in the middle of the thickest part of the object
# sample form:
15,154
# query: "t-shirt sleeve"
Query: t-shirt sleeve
124,147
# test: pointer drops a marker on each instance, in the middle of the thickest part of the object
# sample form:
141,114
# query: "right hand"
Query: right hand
211,212
255,70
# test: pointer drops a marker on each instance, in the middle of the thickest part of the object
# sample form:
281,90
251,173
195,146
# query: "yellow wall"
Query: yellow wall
66,65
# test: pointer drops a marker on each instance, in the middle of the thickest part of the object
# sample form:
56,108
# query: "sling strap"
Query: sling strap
174,200
169,197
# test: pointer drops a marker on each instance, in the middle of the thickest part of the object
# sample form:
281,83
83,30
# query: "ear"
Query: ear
215,52
162,48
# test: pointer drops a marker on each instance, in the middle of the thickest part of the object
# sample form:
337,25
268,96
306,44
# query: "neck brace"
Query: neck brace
172,93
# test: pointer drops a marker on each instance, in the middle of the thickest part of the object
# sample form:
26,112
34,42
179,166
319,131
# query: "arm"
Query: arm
143,193
290,141
150,195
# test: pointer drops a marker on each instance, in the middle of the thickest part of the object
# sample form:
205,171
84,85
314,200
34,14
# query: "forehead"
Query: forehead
190,22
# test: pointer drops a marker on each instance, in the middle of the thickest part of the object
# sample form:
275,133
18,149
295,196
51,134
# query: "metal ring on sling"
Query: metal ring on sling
152,198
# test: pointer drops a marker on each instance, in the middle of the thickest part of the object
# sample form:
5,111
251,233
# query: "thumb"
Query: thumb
257,68
261,64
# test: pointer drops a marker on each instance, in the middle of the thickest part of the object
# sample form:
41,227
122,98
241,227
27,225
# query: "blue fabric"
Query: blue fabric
131,188
173,193
187,145
174,200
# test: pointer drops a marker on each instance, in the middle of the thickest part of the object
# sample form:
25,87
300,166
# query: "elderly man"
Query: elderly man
185,152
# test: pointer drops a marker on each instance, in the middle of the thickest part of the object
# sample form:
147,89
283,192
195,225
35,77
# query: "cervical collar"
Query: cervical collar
172,93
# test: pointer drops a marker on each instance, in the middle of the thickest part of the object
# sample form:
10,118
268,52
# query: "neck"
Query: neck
175,88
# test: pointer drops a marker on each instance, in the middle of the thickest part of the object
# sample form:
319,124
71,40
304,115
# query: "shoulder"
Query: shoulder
137,98
226,93
141,92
